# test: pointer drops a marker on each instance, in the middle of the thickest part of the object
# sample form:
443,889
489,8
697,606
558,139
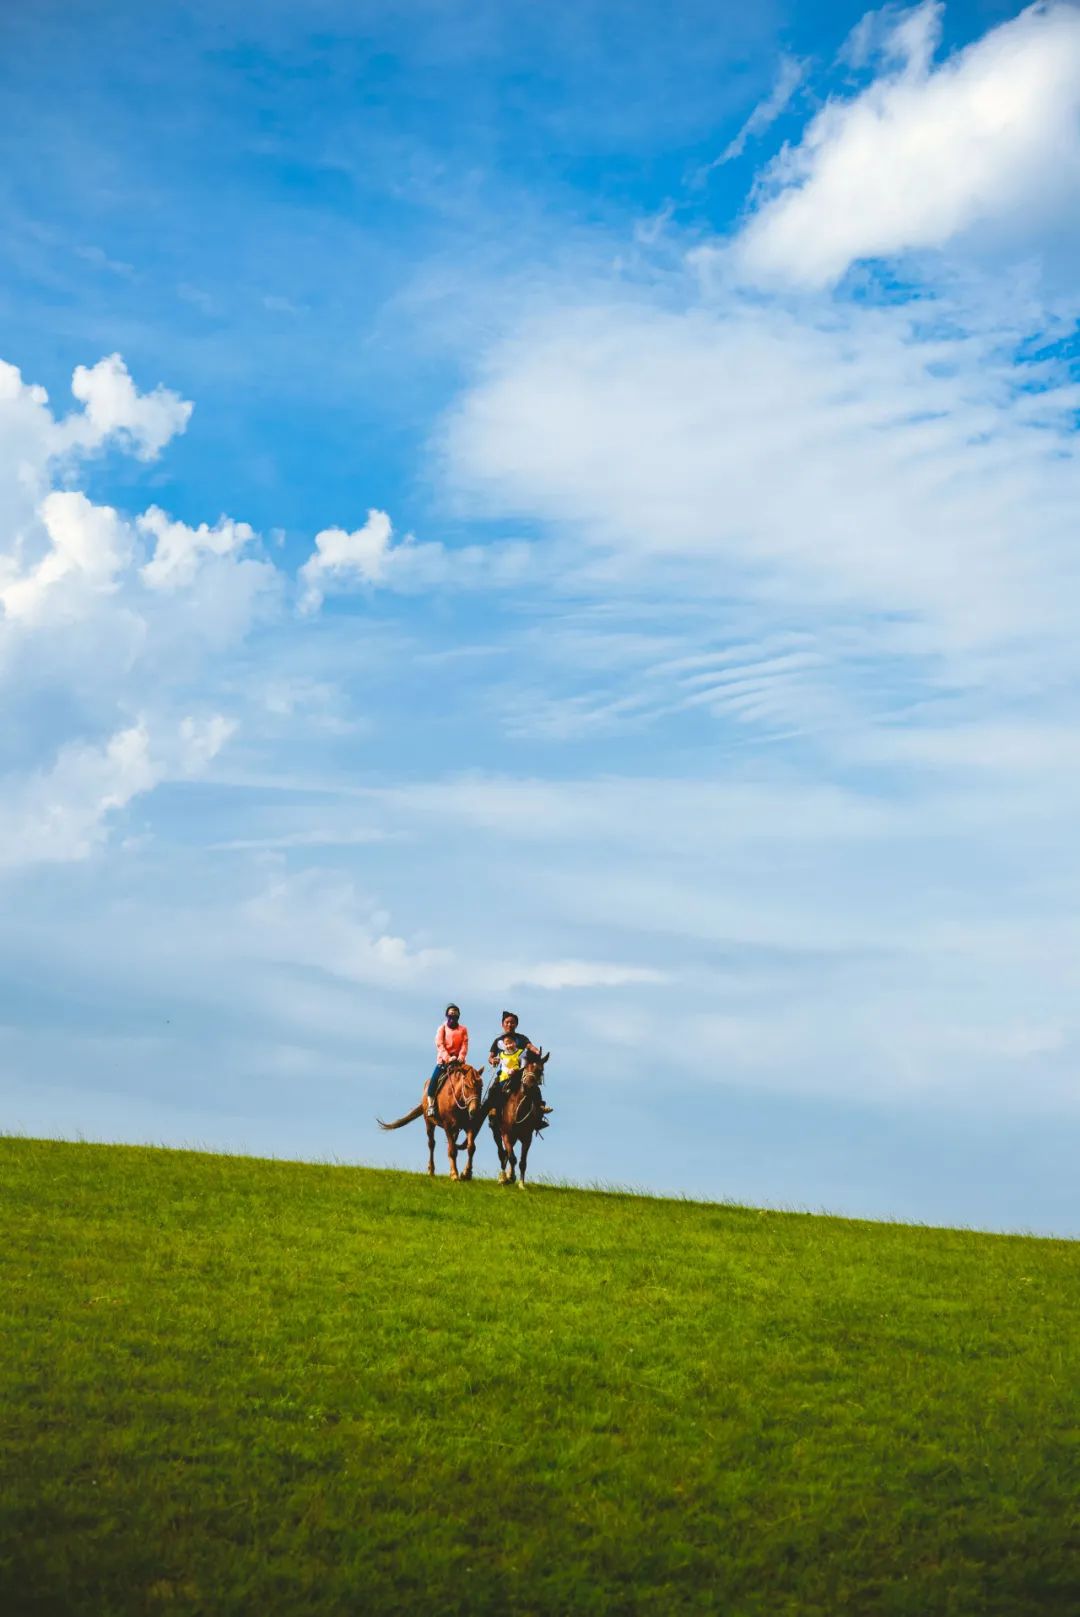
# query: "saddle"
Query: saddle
452,1069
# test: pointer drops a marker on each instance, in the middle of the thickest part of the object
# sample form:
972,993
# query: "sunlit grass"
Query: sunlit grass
238,1386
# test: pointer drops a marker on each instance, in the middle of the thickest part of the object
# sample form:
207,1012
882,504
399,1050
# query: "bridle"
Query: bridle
531,1092
460,1105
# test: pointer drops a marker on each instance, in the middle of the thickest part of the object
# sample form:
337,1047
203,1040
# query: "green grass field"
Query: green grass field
238,1386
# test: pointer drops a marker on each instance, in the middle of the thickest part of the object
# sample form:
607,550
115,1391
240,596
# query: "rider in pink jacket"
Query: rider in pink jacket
451,1045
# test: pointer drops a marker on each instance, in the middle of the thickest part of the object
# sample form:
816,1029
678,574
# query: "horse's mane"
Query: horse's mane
462,1069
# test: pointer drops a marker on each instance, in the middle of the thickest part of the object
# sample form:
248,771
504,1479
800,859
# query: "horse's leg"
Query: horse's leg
470,1148
451,1148
430,1146
496,1135
525,1144
511,1160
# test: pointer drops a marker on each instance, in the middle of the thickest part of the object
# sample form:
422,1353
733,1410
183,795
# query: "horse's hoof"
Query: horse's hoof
521,1184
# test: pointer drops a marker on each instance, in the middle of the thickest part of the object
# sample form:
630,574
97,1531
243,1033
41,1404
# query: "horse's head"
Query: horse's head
534,1066
470,1081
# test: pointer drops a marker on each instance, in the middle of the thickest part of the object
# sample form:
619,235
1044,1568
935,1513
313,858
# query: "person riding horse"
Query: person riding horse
517,1114
507,1055
451,1046
453,1098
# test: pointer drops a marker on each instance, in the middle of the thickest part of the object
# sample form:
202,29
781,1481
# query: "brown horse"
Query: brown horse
457,1107
514,1114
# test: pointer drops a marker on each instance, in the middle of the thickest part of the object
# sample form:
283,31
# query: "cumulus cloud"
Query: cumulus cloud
113,408
88,546
368,556
989,138
342,559
64,559
178,548
59,552
28,444
93,630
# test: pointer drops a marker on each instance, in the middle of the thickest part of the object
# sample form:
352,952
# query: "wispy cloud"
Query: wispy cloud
791,74
580,974
61,814
821,464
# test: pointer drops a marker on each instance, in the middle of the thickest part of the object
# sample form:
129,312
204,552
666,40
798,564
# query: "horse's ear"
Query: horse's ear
545,1059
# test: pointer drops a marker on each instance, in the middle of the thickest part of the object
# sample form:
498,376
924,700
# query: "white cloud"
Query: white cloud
909,36
198,742
989,138
342,559
96,640
319,919
65,560
1010,750
560,974
28,441
62,813
60,554
791,74
634,810
368,556
89,545
841,461
178,548
113,408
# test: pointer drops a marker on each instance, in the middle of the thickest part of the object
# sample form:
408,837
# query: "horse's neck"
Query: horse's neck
524,1097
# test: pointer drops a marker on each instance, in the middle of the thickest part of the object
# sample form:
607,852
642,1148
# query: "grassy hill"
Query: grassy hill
237,1386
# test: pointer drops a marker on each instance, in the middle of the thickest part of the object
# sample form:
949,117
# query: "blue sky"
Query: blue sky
549,507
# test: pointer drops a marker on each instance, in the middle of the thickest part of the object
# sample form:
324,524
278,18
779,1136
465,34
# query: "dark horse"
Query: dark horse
514,1112
457,1107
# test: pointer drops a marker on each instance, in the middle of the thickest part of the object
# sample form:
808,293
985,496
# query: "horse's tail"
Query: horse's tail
410,1117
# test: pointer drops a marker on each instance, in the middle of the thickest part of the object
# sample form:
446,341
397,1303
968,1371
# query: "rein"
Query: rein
523,1117
459,1107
